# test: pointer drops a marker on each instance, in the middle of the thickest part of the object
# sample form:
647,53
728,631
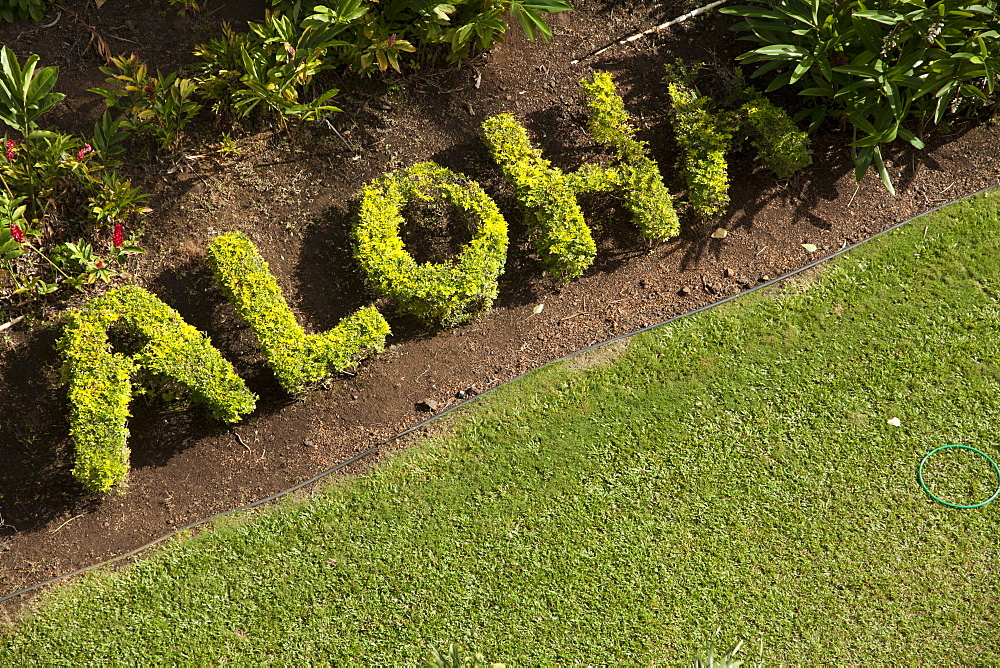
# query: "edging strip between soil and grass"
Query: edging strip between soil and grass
424,423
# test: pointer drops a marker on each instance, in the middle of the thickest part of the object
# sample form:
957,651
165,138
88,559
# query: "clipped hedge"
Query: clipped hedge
562,238
439,293
99,379
638,175
782,147
704,138
296,358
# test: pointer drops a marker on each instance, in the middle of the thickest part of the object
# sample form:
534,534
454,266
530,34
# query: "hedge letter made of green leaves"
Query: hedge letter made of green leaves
100,386
296,358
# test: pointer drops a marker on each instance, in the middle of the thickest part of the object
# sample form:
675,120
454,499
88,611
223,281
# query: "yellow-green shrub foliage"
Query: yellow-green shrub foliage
561,236
638,174
441,294
704,139
296,358
99,379
782,146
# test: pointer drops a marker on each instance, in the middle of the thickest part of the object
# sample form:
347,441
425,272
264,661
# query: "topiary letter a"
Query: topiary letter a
100,386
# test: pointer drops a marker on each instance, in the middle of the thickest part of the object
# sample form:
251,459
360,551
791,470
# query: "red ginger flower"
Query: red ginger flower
11,147
84,151
118,238
16,233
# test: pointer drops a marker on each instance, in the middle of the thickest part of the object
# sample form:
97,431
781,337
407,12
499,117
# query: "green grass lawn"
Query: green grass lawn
731,471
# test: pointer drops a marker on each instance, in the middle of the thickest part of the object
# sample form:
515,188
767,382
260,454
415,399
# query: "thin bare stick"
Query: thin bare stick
662,26
8,325
240,440
332,127
65,523
853,196
574,315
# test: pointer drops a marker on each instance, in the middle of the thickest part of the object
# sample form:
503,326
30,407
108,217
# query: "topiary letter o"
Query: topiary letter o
441,294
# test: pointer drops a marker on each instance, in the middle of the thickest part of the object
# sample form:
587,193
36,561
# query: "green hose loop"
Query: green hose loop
923,485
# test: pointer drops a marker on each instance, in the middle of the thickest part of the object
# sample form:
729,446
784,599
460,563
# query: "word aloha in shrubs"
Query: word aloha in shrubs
297,359
442,294
100,386
446,293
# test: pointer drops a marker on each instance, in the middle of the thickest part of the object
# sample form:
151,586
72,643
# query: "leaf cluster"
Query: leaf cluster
297,359
23,10
48,178
443,294
379,33
100,386
160,105
877,64
25,94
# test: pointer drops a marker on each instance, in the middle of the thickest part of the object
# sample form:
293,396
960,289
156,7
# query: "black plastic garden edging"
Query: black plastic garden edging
420,425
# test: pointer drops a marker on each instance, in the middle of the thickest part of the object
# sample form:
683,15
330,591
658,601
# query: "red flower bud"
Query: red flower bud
11,147
118,238
99,264
83,151
148,90
16,233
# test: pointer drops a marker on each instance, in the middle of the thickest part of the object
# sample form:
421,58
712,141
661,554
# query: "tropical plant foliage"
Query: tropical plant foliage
877,64
380,32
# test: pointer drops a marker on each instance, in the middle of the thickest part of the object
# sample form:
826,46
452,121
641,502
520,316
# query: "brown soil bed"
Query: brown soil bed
294,196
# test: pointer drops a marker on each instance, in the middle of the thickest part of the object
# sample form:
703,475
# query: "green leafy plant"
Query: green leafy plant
22,10
457,657
272,66
297,359
186,6
877,65
444,293
160,106
100,386
381,32
727,659
638,174
25,94
80,265
46,176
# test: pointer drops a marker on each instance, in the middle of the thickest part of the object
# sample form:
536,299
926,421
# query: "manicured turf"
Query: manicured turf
731,471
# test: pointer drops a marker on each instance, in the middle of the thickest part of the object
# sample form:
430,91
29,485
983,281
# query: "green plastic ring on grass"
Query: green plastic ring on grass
920,476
